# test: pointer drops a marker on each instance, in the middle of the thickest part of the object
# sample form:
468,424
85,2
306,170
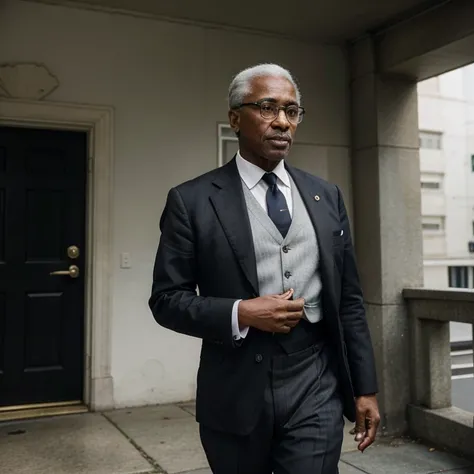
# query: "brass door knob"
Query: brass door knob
73,252
72,272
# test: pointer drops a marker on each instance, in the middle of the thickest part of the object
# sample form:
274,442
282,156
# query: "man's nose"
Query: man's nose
281,121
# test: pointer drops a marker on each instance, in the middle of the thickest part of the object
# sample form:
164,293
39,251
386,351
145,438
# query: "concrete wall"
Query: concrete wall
168,85
387,205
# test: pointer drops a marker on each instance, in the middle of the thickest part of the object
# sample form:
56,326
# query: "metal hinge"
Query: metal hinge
90,164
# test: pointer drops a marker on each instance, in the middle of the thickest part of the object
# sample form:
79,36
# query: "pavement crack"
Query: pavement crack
355,467
157,469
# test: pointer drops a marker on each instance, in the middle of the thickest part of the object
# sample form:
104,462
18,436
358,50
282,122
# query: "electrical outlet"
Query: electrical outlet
125,260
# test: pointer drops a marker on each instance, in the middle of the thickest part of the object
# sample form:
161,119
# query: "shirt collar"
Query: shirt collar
251,174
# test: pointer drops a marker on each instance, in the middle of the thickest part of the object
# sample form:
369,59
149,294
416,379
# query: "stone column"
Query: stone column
387,218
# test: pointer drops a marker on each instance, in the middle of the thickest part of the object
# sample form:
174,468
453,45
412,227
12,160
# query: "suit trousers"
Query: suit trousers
300,429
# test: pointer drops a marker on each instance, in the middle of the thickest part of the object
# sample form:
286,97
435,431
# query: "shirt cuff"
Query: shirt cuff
237,333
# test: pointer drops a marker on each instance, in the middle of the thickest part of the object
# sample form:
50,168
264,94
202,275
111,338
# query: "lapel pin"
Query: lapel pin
317,198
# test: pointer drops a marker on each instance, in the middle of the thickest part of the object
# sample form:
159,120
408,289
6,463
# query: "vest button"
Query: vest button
285,249
287,274
258,358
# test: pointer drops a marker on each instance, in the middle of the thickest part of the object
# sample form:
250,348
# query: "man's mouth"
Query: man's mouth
279,140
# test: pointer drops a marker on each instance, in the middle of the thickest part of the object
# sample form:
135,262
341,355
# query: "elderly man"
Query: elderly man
286,350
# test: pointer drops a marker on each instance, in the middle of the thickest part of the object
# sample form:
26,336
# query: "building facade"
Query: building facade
446,122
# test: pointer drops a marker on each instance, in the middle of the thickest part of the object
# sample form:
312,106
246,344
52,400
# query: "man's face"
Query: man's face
265,141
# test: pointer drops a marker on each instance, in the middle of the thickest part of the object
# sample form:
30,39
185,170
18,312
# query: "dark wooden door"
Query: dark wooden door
42,213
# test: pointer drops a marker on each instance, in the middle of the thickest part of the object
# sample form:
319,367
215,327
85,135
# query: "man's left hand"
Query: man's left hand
367,420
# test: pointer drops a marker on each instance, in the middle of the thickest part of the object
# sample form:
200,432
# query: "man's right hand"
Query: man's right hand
271,313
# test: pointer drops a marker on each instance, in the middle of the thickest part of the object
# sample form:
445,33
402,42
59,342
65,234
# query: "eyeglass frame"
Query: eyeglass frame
259,103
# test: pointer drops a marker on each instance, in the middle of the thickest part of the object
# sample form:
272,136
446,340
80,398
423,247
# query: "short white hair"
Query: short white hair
240,85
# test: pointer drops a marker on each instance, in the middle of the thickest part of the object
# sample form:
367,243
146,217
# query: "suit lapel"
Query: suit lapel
229,204
313,195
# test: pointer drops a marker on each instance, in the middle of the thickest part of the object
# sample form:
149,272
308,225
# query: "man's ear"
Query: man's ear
234,121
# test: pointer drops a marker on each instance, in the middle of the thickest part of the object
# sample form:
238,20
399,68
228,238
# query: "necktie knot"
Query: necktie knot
270,179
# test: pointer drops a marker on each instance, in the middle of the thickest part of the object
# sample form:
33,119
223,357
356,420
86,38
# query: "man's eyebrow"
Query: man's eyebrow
274,101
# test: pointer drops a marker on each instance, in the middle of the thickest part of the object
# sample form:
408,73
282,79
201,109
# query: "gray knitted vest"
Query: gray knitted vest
290,262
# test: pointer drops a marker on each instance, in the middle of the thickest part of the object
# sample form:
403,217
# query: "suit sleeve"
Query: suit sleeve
174,301
352,313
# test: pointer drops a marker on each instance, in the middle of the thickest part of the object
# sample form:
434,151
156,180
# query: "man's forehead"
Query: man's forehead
275,87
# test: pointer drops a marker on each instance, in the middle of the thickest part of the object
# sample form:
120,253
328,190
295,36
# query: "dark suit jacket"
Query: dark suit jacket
206,242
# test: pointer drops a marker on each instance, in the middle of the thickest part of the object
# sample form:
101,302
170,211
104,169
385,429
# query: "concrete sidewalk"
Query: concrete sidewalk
164,439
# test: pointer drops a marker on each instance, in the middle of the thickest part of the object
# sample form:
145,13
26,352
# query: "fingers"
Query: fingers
293,313
371,424
367,420
284,328
285,324
284,313
369,438
286,295
294,316
360,427
295,305
292,322
372,421
288,325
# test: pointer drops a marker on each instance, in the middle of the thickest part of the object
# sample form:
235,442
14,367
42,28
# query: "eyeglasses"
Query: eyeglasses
270,110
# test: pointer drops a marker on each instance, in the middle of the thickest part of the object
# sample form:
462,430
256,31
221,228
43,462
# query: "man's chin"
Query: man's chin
277,155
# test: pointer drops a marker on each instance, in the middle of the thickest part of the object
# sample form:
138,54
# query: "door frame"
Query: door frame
98,122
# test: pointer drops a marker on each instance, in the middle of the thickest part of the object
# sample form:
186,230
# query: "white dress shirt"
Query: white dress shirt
252,177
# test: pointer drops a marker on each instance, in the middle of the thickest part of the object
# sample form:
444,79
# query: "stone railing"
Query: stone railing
431,415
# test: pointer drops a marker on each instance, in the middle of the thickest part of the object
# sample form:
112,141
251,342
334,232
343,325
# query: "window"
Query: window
430,185
228,144
431,226
432,181
461,277
430,140
432,223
